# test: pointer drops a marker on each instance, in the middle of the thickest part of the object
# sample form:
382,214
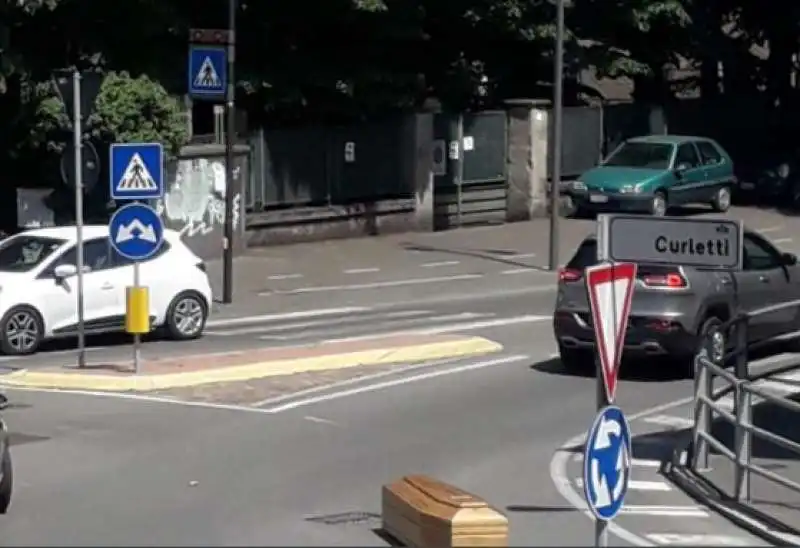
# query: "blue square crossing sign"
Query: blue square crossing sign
208,72
136,171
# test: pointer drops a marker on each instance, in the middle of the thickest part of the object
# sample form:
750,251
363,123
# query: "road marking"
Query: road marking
518,271
439,264
638,485
361,270
782,241
391,326
271,328
44,354
672,511
244,320
450,328
777,386
644,463
320,420
669,420
395,382
284,276
773,228
696,539
374,285
520,256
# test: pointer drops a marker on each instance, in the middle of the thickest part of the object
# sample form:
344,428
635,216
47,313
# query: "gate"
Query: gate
470,169
581,141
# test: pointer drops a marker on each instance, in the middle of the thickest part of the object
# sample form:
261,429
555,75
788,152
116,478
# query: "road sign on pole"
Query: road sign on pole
136,231
610,287
607,463
208,72
136,171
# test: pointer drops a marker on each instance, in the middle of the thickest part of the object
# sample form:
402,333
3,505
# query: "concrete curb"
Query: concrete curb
740,514
470,346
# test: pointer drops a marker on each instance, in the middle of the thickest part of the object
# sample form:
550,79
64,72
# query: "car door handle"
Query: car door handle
106,286
763,279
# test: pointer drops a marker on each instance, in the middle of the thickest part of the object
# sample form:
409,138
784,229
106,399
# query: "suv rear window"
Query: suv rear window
586,255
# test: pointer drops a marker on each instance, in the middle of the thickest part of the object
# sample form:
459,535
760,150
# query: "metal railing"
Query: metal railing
739,381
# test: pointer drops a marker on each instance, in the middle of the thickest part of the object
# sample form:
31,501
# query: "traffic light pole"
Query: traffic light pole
230,135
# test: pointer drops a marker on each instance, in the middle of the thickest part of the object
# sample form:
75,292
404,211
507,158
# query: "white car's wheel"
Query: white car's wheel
186,317
21,331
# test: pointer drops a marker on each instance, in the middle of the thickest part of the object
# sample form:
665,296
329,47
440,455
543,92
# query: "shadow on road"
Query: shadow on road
653,446
502,256
651,370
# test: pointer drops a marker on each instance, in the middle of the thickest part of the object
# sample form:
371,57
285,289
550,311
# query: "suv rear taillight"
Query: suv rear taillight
569,275
201,266
670,280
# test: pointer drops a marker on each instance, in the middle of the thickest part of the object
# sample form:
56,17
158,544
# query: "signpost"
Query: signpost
623,242
136,230
207,72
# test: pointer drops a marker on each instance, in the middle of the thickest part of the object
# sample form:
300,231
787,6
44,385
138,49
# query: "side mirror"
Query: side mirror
680,168
64,271
789,259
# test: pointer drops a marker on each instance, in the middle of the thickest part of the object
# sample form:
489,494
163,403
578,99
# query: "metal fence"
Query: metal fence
745,389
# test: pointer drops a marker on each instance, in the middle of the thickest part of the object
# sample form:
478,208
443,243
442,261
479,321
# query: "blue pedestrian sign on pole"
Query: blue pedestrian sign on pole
136,171
136,231
208,72
607,463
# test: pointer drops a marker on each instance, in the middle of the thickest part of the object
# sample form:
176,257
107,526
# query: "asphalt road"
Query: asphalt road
307,469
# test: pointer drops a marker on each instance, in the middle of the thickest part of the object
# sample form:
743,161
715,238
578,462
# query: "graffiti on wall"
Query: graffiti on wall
194,201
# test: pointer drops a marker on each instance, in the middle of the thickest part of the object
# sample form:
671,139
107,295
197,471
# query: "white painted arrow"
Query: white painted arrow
136,229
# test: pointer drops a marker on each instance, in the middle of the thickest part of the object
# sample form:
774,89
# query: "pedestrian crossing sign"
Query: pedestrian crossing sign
136,171
207,72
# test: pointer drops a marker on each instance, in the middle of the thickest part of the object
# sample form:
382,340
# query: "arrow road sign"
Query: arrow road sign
136,231
208,72
610,288
136,171
607,463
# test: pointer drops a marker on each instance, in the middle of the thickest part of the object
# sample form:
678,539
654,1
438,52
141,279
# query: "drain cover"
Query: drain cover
345,518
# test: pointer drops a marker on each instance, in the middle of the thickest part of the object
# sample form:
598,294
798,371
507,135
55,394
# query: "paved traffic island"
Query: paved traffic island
247,365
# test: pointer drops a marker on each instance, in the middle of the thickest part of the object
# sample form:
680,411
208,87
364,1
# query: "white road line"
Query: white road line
696,539
773,228
672,511
320,420
361,270
439,264
244,320
777,387
391,324
395,382
520,256
374,285
644,463
326,322
44,354
669,420
638,485
782,241
450,328
284,276
518,271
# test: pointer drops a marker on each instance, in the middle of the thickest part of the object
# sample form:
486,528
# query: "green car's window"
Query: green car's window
641,155
709,153
687,156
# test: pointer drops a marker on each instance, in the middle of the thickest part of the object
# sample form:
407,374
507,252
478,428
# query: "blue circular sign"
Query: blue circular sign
607,463
136,231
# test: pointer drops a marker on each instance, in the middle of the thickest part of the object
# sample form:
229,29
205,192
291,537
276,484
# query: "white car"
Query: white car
38,287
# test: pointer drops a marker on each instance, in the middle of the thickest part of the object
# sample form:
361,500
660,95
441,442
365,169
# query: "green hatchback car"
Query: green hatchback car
653,173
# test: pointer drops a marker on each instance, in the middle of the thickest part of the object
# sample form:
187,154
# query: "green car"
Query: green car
653,173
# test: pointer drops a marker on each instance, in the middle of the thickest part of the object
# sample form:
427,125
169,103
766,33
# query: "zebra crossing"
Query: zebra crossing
359,323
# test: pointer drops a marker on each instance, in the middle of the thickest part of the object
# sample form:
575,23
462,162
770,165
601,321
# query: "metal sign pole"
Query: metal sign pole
137,340
600,526
555,184
230,136
77,144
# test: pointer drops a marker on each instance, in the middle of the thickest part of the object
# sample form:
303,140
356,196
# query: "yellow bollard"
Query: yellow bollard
137,313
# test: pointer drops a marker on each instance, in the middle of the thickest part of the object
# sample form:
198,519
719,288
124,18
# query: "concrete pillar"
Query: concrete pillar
528,122
658,121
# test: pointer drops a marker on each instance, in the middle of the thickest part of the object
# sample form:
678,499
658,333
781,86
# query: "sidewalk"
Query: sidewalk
773,511
234,367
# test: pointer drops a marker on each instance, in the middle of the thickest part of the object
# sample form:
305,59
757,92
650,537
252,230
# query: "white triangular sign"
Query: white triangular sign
207,76
136,176
610,288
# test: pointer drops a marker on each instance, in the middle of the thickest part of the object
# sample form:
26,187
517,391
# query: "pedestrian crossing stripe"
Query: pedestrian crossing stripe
136,176
207,76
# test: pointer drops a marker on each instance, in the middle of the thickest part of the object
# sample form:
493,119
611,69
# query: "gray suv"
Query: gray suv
674,308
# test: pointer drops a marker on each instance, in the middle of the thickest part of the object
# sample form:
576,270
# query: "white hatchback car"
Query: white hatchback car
38,287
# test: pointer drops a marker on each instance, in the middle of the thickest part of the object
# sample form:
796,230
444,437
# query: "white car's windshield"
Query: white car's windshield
641,155
22,253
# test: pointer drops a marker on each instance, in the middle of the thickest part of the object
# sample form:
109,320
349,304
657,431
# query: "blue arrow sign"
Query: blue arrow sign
136,171
136,231
607,463
208,72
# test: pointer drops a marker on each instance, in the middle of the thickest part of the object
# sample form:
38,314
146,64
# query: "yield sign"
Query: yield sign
610,288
